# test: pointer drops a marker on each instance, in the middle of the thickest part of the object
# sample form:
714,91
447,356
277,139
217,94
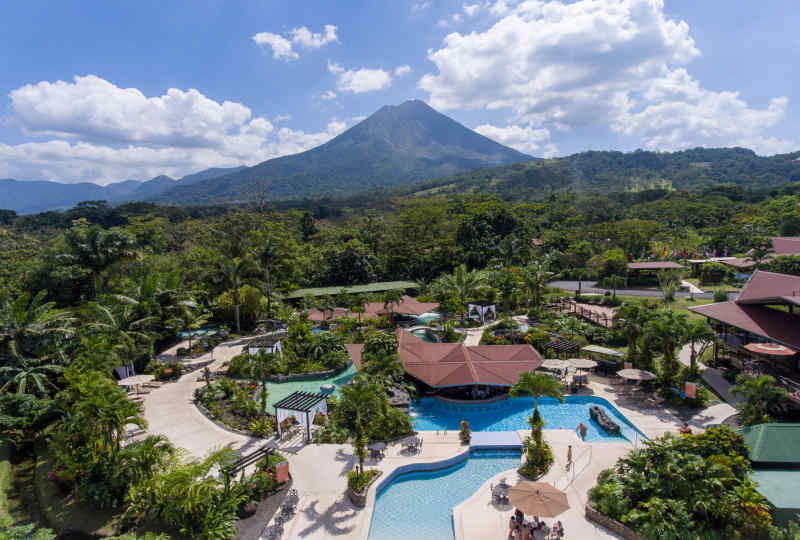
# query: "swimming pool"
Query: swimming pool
278,391
420,504
422,333
509,415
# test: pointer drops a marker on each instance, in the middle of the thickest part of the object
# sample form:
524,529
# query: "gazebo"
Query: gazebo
482,308
303,406
562,347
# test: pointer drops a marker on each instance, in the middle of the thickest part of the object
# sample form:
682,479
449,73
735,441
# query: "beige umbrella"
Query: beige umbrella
636,374
538,499
582,363
554,363
135,380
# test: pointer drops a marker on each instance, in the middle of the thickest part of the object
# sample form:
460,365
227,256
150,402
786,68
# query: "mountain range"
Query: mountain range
411,148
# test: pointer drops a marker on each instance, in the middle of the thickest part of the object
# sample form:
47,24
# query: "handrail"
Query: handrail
574,471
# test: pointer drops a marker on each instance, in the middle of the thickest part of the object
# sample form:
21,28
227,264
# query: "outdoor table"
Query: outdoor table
376,449
500,492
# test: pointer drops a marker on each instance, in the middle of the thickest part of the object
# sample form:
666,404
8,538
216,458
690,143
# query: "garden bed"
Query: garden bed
230,405
359,497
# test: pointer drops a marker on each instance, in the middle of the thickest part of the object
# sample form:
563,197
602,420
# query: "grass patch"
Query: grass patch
713,288
680,304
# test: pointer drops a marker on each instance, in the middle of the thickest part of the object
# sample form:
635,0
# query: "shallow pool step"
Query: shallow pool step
495,439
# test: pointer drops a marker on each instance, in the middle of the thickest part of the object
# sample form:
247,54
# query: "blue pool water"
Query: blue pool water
433,414
419,505
422,334
278,391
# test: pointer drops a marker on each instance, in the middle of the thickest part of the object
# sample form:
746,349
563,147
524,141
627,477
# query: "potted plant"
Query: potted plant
465,435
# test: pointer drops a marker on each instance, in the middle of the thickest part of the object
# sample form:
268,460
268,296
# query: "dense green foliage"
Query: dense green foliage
692,486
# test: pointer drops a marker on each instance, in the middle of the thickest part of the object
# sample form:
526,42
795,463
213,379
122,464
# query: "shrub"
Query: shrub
239,366
249,310
320,419
262,427
359,482
537,338
464,434
720,296
712,272
167,372
331,434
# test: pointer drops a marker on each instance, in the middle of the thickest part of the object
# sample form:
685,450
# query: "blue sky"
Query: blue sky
105,91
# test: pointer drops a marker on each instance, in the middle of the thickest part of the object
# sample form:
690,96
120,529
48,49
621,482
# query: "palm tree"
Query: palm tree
392,298
699,333
535,278
760,397
615,282
359,402
191,317
537,385
123,327
234,272
579,274
666,332
97,249
267,257
385,368
630,319
27,323
29,375
668,282
462,285
262,365
141,459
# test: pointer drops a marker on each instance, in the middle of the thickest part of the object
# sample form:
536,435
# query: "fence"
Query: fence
571,306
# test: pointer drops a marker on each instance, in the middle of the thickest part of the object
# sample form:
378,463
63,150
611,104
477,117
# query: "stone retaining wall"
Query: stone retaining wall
611,524
360,498
306,376
207,414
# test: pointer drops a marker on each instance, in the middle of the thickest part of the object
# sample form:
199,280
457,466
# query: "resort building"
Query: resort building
759,332
775,455
408,307
457,367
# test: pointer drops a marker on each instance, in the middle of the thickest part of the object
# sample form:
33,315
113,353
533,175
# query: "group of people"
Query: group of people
520,529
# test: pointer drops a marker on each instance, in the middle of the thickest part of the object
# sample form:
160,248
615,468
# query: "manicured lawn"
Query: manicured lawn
714,288
680,304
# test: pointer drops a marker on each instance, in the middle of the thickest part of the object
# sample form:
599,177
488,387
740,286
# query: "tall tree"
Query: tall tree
537,385
234,273
535,278
96,249
462,285
391,299
666,332
701,337
267,256
29,324
761,397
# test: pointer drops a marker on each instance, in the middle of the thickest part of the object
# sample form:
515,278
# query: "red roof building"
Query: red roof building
654,265
442,365
764,312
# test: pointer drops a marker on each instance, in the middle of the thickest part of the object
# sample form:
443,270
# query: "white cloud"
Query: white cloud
471,9
454,19
97,131
618,63
281,47
523,138
302,36
359,80
419,6
328,95
399,71
282,118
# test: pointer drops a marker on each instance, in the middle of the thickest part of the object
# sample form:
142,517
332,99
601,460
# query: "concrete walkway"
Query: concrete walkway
474,334
693,289
712,376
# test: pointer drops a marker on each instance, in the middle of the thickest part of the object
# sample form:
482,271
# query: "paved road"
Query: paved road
589,287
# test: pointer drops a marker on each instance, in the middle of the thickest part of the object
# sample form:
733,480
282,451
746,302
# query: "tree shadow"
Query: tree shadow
331,519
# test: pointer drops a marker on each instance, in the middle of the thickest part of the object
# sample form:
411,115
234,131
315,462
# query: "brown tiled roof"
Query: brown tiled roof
786,245
355,351
654,265
454,364
780,326
738,262
373,310
771,288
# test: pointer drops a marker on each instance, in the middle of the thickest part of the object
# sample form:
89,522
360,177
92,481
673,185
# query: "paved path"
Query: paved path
170,410
692,287
474,334
711,376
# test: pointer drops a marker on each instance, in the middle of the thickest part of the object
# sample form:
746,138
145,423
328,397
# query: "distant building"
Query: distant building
760,330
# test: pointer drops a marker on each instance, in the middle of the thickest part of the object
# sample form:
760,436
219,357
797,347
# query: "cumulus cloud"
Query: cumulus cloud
419,6
526,139
471,9
282,48
282,118
328,95
97,131
399,71
619,63
360,80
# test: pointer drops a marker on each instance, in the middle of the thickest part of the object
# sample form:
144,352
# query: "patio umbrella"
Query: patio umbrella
538,499
769,349
636,374
135,380
554,363
582,363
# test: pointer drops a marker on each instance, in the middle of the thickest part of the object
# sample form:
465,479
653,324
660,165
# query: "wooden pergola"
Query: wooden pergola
562,347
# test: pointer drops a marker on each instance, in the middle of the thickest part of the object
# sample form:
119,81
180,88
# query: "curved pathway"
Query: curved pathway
170,410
